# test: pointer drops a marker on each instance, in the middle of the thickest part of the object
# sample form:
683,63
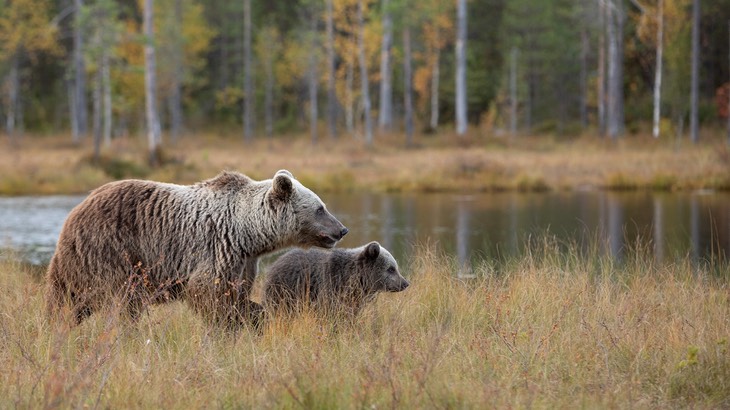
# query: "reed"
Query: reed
557,327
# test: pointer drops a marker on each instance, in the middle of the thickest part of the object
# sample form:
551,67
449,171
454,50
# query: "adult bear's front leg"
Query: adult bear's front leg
224,299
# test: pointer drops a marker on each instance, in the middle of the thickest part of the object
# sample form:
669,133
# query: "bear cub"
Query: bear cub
332,282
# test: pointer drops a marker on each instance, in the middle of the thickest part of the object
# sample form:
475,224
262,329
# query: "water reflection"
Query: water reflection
474,227
470,227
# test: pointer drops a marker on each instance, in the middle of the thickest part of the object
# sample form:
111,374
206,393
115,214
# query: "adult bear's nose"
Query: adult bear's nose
343,232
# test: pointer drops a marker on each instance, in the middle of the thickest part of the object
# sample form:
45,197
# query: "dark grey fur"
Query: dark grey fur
143,241
331,281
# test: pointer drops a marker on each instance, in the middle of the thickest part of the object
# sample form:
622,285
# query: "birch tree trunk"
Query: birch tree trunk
331,94
385,114
513,91
408,85
584,52
313,81
150,77
175,99
461,117
106,89
247,84
269,96
601,83
79,74
364,75
435,78
350,99
96,111
13,84
658,72
614,37
695,81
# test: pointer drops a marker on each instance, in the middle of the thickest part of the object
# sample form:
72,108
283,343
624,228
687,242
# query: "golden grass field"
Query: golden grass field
551,329
51,164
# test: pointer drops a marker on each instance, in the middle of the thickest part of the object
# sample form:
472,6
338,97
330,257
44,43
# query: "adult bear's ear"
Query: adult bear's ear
282,187
371,251
284,172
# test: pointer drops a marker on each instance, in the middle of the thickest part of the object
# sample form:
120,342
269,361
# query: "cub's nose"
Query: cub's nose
343,232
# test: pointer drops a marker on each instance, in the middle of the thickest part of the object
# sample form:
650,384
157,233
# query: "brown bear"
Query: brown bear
338,282
142,242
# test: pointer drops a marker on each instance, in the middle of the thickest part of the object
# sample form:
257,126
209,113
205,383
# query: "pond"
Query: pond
471,227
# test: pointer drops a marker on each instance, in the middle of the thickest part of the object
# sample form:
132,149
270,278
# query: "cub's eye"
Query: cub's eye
320,210
391,269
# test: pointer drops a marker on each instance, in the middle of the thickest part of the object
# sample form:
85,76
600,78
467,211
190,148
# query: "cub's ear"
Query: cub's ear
284,172
371,251
282,187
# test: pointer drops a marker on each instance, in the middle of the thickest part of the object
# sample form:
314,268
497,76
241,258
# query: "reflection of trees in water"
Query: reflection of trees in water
463,230
658,231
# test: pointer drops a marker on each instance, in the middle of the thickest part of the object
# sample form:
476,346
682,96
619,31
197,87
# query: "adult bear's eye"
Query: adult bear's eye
320,210
391,269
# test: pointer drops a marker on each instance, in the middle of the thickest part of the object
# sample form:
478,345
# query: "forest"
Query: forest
327,69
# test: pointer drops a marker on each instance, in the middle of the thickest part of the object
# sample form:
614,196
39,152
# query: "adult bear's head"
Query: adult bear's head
313,224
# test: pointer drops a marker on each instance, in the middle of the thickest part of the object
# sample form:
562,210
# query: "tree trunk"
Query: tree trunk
601,68
106,89
364,75
96,113
461,117
247,84
350,99
269,97
435,78
79,75
695,81
13,84
385,117
150,77
584,52
313,82
176,113
728,94
331,94
615,86
513,91
658,73
620,20
408,85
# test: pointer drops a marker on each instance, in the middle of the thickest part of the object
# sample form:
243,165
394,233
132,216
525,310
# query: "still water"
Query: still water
470,227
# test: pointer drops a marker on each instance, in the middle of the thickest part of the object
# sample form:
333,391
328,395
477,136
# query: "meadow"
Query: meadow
554,328
52,165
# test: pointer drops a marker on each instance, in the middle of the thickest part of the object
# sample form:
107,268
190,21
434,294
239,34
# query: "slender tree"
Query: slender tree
365,84
385,113
175,97
248,96
513,91
435,78
331,73
695,79
408,84
313,79
461,118
153,122
614,113
601,70
79,65
658,68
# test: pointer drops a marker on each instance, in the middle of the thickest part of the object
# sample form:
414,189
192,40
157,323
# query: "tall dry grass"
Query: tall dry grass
45,165
551,329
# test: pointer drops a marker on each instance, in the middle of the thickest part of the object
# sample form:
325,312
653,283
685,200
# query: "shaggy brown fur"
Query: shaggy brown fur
142,242
333,282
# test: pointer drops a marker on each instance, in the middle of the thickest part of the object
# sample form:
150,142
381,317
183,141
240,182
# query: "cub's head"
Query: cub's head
380,269
308,220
